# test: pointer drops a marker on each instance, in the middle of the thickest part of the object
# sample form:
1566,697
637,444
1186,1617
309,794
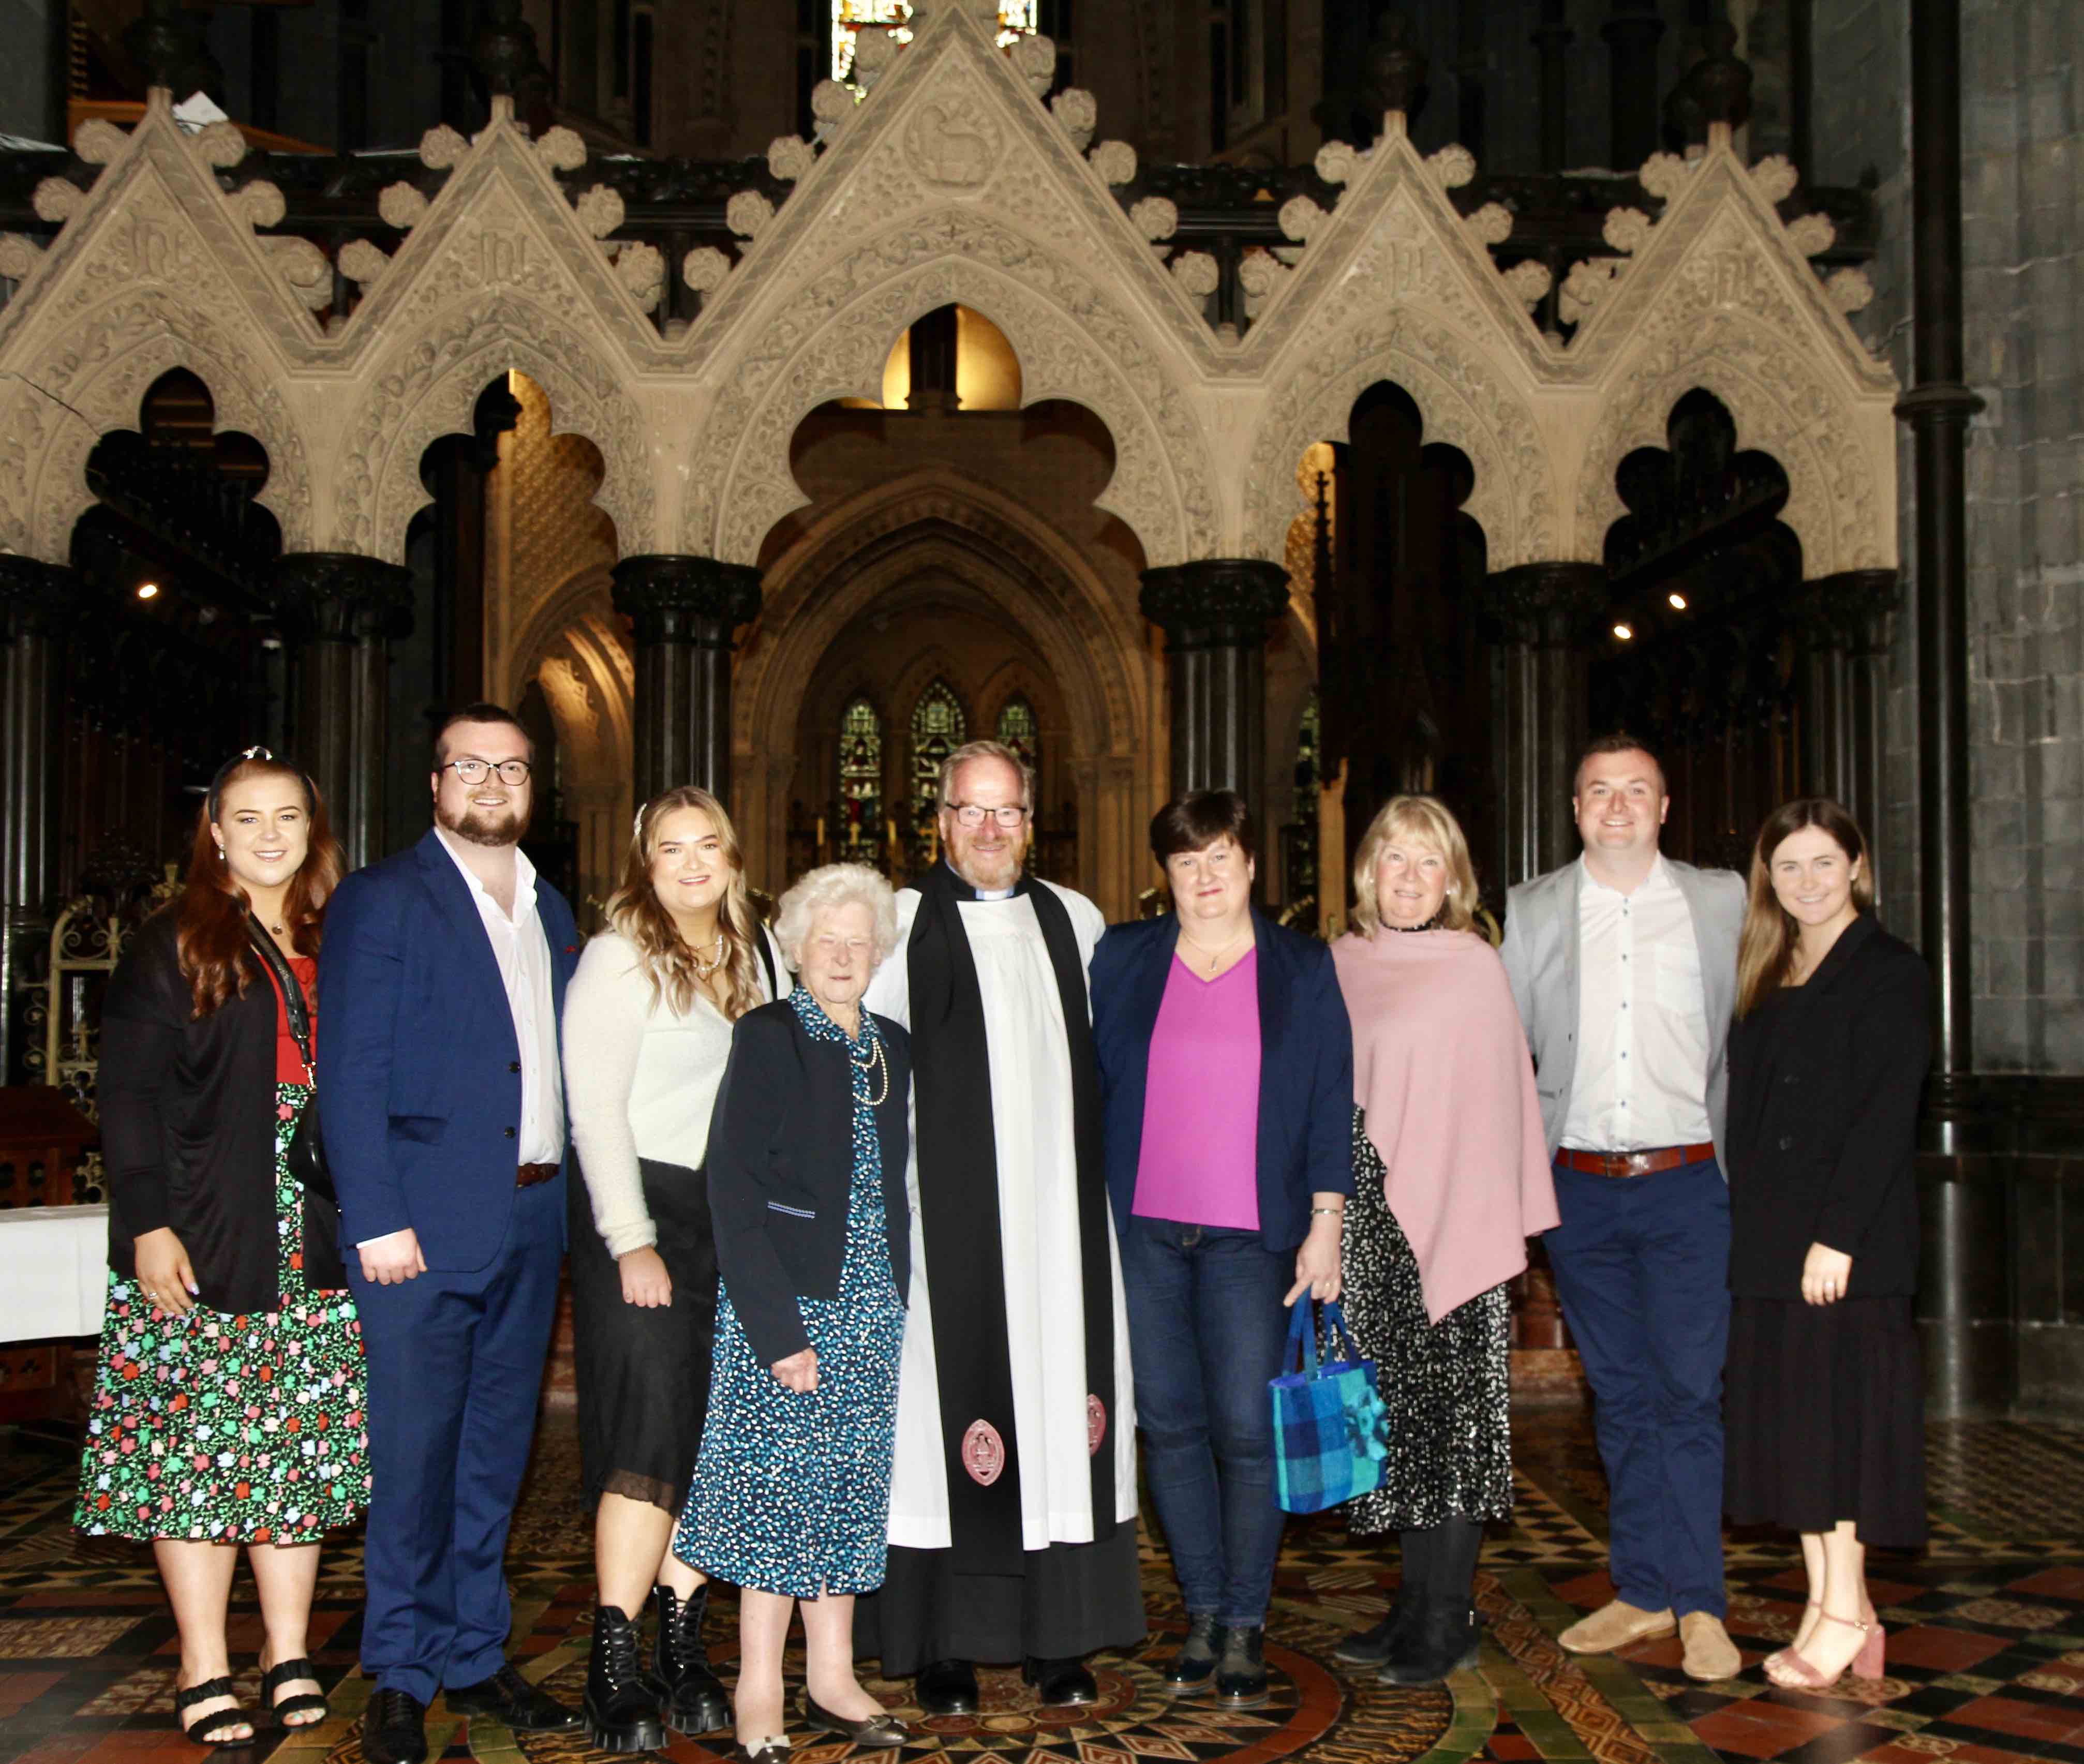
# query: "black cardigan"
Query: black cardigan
1824,1083
187,1129
780,1166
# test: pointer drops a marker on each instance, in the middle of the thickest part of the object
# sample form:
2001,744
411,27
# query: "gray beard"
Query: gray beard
483,827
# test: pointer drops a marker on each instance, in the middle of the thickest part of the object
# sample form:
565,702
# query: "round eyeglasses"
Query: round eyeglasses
1009,815
476,771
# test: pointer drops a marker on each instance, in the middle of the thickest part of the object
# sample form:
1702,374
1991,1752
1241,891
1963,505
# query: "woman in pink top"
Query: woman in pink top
1227,1092
1451,1177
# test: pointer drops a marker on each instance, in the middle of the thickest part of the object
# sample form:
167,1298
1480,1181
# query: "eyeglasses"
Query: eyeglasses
1009,815
476,771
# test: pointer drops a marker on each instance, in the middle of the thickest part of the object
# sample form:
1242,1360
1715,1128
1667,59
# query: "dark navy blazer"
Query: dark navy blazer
1306,1066
417,1063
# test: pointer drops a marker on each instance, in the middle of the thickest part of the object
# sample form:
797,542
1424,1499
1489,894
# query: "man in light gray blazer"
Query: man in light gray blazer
1623,966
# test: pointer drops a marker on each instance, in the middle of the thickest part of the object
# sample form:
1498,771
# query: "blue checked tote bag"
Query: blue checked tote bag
1331,1432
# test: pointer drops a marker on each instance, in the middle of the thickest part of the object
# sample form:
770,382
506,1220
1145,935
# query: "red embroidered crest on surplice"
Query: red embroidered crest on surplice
984,1453
1096,1423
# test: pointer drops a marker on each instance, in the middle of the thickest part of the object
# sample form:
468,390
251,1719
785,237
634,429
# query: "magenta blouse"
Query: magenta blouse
1200,1159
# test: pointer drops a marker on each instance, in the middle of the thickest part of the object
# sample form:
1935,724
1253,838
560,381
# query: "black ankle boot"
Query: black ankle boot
621,1705
1443,1639
694,1699
1194,1665
1241,1668
1377,1646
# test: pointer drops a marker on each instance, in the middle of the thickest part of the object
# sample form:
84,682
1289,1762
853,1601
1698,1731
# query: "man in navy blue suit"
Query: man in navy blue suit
442,976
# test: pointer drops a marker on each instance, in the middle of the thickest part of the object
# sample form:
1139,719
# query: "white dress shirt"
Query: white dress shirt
1642,1022
522,951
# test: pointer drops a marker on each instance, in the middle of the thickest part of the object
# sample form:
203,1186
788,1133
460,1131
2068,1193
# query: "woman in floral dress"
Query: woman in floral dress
228,1405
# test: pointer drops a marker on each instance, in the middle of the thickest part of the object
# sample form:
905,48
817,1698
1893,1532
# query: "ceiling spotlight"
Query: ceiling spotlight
1677,601
148,590
1624,632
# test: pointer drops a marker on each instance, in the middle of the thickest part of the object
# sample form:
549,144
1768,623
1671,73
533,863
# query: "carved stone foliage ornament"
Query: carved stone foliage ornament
954,144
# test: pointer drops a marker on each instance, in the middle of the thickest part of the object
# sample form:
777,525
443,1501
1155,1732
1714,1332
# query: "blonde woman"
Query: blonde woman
1451,1177
647,1031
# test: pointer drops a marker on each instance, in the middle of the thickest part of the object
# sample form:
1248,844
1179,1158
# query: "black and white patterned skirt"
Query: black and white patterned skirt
1446,1384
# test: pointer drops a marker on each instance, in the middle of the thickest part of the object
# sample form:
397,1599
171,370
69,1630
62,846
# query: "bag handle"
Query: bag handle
1302,1333
293,1005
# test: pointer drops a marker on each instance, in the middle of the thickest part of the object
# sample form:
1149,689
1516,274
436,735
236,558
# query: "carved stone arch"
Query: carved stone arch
1781,404
430,384
1464,398
109,359
1074,341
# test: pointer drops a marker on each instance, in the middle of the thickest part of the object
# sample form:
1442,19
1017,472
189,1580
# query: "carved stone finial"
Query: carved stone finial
1393,75
504,49
167,41
1721,79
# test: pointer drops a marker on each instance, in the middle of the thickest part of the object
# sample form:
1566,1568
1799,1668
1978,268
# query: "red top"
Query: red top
289,1058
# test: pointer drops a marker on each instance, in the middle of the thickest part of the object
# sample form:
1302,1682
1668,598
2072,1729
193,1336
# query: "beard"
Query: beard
991,869
485,826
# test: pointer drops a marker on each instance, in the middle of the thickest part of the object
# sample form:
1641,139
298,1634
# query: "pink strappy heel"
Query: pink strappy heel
1867,1663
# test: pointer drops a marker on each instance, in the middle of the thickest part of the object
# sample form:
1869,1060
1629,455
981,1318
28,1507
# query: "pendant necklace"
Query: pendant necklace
1213,955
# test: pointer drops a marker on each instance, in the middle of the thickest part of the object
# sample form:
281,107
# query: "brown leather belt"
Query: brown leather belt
1634,1163
529,1174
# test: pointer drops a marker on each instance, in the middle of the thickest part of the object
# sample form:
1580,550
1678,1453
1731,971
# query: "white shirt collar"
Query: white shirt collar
524,876
1656,883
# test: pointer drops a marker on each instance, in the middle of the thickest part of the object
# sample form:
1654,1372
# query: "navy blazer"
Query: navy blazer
417,1062
1306,1066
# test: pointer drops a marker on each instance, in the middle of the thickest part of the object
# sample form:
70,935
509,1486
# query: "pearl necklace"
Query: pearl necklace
875,1062
704,970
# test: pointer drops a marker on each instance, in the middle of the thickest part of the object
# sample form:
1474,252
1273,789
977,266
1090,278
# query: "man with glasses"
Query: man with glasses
1012,1503
441,978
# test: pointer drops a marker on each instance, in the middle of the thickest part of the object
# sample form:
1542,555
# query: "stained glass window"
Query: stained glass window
939,727
859,834
1016,18
1019,730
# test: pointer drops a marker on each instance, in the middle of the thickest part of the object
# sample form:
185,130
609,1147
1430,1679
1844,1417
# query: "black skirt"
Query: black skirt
643,1372
1825,1418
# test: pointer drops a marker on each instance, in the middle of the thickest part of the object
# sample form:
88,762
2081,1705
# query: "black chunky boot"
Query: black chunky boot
1377,1646
695,1701
621,1704
1440,1562
1194,1665
1241,1668
1444,1638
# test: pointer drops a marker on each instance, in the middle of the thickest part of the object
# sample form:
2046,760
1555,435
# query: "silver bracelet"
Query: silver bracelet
1336,1212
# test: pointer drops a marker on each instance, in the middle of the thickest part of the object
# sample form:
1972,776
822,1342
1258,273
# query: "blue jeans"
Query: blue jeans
1642,1268
1206,1329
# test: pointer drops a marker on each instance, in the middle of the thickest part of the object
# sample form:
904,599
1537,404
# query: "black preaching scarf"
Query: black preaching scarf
959,1214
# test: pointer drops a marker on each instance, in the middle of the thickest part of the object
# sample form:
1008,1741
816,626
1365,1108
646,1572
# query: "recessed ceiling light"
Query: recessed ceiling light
1624,632
148,590
1677,601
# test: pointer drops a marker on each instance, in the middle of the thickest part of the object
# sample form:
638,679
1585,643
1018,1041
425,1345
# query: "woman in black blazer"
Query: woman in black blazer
807,1173
1825,1422
228,1398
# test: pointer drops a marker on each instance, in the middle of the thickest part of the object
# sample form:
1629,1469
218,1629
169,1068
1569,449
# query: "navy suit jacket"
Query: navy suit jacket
417,1063
1306,1066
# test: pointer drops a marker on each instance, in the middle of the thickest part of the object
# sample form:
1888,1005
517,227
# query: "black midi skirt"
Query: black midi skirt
1825,1418
643,1372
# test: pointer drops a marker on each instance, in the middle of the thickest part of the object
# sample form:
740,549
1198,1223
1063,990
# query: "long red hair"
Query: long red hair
216,954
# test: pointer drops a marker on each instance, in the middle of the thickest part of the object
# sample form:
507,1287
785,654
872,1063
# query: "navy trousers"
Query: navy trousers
1642,1269
455,1369
1206,1331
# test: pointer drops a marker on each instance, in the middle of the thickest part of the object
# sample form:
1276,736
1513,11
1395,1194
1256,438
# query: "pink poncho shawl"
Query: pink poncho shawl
1441,1066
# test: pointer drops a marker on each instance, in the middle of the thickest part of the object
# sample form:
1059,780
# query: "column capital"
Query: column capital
1215,601
35,596
342,597
1548,604
1851,610
676,594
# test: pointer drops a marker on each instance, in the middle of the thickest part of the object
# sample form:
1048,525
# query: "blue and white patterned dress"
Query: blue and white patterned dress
791,1493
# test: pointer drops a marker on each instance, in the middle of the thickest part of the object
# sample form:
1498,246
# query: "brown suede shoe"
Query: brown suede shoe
1710,1655
1615,1626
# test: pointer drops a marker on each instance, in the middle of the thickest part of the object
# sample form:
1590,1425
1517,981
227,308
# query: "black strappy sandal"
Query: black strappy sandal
288,1672
210,1729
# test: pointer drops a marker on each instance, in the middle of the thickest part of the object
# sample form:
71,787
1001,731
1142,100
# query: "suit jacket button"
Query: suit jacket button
510,1132
513,1065
1786,1141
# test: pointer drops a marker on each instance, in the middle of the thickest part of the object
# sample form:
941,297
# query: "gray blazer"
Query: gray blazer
1540,955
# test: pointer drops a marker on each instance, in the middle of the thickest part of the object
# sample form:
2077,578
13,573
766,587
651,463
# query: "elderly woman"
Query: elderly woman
1451,1177
806,1171
1227,1089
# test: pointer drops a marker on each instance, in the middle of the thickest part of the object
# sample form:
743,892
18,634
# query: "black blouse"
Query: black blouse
1825,1084
187,1129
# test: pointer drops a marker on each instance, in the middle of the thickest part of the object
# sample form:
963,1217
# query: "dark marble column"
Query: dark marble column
1844,621
340,611
1553,37
1631,33
1538,613
35,598
684,611
1214,613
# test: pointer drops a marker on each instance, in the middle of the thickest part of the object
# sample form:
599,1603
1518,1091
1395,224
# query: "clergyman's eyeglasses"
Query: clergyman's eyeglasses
1008,815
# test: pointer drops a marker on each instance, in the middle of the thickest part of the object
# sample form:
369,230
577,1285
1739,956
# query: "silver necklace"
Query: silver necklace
1213,955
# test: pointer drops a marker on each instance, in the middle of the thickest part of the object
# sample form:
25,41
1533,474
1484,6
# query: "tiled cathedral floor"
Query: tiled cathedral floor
1986,1637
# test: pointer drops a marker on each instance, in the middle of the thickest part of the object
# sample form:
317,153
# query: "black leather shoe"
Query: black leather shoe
884,1729
506,1696
1241,1668
946,1687
394,1728
1060,1683
622,1703
693,1695
1194,1665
